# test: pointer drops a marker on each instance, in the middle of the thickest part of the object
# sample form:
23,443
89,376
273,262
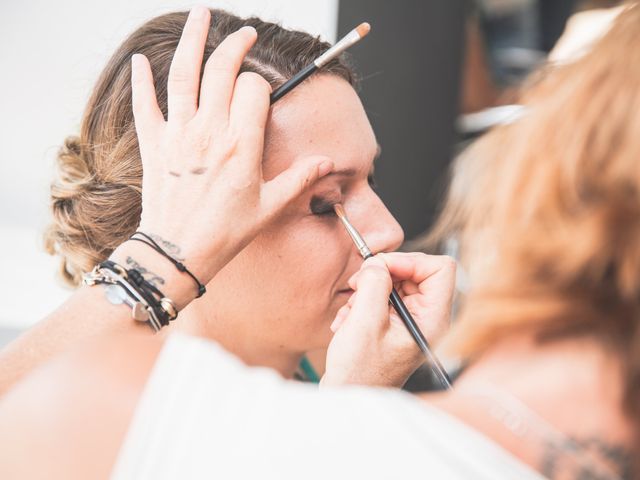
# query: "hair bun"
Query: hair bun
73,175
66,235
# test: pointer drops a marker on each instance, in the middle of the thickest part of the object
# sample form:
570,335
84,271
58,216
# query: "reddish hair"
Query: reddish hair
547,211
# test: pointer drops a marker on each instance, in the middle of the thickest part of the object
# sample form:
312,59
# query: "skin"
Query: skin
574,385
278,297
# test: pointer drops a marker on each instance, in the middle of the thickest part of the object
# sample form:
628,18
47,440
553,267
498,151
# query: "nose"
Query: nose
378,227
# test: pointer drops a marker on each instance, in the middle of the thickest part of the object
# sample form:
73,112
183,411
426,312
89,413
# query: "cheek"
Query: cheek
305,260
296,267
287,278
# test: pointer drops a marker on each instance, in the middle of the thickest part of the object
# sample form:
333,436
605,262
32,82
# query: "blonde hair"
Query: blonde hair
96,197
548,210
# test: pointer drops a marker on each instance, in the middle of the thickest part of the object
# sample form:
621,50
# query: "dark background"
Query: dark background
410,65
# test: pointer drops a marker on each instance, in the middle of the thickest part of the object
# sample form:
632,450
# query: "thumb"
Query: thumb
294,181
373,286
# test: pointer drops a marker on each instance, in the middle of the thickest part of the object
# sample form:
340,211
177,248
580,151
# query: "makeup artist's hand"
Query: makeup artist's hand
371,345
203,189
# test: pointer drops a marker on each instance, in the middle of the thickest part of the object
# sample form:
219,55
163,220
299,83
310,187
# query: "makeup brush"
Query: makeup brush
399,306
354,36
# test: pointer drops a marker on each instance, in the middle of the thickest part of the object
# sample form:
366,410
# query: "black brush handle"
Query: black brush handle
290,84
401,309
414,330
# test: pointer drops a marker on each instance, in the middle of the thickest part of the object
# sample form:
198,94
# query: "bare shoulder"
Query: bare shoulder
68,418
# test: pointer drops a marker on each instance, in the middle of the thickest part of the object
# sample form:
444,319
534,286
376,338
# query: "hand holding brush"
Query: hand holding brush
371,344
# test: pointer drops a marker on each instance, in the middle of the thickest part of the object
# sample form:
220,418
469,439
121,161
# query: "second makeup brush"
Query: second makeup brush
354,36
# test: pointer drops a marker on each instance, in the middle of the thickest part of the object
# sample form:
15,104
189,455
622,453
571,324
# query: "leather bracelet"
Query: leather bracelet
148,304
147,240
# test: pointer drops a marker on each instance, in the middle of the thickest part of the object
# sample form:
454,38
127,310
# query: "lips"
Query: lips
345,291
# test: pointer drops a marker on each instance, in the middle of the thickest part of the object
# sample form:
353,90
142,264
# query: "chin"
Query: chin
324,333
317,336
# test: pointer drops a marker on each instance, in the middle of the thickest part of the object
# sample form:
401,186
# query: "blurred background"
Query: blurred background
435,75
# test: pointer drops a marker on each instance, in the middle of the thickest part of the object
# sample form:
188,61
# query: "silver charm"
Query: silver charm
117,296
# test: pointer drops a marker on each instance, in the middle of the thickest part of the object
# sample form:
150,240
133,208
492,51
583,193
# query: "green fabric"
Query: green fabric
307,369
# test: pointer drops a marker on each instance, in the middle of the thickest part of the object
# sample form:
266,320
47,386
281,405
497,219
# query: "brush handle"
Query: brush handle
290,84
414,330
401,309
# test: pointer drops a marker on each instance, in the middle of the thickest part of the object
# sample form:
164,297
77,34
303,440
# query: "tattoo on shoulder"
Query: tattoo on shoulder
589,459
149,276
170,247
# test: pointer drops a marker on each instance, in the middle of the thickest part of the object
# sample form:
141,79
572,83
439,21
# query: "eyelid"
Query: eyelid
322,205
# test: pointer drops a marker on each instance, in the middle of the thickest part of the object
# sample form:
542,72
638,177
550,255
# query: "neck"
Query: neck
555,368
572,386
238,338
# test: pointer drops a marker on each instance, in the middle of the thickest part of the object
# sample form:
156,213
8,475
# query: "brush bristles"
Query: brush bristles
363,29
339,211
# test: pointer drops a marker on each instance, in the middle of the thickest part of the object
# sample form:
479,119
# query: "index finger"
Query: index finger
373,286
417,267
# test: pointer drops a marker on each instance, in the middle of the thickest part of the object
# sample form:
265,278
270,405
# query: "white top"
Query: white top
204,414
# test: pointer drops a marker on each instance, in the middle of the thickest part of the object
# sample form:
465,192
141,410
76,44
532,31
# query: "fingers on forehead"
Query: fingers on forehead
221,71
184,73
144,104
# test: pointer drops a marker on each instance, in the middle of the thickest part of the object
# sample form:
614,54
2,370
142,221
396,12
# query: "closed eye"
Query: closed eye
322,206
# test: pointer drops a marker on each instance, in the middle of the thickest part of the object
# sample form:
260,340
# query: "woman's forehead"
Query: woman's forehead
322,117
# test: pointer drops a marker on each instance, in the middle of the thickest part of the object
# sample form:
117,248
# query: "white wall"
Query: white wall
50,55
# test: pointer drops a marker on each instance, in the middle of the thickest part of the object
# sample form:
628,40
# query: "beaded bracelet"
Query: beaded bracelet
148,304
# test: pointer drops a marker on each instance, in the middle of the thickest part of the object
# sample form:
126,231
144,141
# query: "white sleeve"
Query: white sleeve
204,414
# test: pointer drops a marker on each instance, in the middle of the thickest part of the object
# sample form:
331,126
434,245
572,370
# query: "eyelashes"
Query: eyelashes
322,206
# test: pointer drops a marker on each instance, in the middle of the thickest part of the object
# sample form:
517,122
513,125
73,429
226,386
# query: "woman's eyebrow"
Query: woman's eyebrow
345,172
350,172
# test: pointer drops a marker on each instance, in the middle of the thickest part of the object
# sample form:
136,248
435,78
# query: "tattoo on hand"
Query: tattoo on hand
590,459
150,277
171,248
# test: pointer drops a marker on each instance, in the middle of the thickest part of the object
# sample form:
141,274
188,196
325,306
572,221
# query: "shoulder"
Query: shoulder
86,397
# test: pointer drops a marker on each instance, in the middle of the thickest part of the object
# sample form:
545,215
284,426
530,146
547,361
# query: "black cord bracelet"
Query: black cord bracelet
147,240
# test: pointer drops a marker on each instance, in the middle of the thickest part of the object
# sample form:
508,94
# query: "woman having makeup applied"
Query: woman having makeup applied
276,299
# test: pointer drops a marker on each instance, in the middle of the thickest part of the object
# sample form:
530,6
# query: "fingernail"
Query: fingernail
375,262
136,60
332,327
198,12
336,324
325,168
248,28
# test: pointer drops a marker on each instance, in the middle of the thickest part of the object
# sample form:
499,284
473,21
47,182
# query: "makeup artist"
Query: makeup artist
549,330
